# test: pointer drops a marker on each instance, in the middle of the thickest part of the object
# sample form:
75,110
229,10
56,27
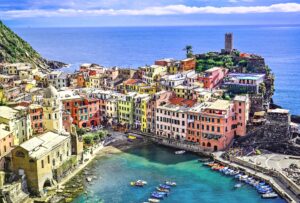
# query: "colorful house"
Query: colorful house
6,145
152,74
36,116
18,122
213,77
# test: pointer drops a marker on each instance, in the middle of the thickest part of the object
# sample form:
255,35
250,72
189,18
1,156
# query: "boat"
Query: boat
169,183
162,189
238,176
138,183
164,186
160,193
157,196
152,200
180,152
269,195
238,185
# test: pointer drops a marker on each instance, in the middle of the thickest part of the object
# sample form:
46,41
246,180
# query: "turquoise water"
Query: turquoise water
195,182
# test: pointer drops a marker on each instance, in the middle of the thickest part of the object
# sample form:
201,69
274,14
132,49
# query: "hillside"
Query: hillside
14,49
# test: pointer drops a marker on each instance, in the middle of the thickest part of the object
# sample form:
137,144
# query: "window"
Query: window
42,162
48,159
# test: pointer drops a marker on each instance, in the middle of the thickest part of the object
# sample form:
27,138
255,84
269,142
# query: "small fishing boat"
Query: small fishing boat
170,183
164,186
138,183
152,200
162,190
269,195
238,176
180,152
160,193
157,196
238,185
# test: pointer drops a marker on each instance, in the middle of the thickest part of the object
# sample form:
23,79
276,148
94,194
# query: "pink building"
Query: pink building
158,99
6,145
212,77
36,116
171,118
214,124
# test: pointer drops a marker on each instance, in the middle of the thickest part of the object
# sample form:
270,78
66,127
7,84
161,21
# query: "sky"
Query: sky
94,13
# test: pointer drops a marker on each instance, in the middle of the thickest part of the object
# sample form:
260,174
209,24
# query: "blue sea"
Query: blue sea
196,183
137,46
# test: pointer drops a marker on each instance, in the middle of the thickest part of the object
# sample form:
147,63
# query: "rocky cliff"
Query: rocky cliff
14,49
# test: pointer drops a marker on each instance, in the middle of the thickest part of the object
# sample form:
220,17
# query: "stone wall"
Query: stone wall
274,135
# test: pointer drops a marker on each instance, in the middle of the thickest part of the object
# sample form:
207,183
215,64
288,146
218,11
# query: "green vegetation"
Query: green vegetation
94,137
13,49
212,59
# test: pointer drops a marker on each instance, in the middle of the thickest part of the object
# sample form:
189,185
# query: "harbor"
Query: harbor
156,165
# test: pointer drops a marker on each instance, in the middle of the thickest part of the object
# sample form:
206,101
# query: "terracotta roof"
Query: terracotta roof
182,102
132,81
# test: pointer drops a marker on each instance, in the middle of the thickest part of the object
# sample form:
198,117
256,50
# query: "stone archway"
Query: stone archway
47,183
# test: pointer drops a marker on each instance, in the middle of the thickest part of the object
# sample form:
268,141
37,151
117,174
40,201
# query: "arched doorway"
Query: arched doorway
47,183
84,125
208,144
215,148
203,144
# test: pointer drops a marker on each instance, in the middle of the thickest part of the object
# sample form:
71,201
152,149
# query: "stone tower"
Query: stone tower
228,42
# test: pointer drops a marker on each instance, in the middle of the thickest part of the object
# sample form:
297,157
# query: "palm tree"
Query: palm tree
189,51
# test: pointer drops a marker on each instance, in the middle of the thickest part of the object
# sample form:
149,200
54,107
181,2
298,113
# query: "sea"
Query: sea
196,183
139,46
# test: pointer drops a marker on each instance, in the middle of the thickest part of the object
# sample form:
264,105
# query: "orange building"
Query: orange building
188,64
84,111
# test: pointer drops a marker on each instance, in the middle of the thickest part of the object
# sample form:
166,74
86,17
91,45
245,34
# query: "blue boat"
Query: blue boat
160,193
164,186
157,196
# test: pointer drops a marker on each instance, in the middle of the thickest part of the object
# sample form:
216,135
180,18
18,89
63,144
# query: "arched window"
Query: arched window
203,144
208,144
20,154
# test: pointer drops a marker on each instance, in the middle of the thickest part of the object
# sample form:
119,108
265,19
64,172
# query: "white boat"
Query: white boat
238,185
180,152
269,195
153,200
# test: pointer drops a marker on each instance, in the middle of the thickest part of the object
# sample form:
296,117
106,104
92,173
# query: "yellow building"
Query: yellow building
18,121
126,109
41,159
52,108
140,111
151,74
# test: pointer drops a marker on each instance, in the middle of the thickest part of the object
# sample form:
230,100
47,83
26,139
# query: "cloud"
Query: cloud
152,11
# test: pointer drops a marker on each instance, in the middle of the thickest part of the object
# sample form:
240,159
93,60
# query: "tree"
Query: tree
189,51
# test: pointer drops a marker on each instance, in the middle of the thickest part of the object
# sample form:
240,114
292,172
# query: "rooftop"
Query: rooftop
283,111
42,145
7,112
182,102
220,105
